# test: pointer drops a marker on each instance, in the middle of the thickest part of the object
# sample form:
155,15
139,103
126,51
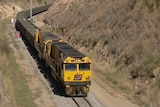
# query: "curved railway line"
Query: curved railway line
31,38
28,30
79,101
68,66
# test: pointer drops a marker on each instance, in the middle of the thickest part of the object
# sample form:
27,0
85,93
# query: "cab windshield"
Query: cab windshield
84,66
70,67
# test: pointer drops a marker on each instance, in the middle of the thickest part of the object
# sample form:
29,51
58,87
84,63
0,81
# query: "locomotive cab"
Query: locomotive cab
77,76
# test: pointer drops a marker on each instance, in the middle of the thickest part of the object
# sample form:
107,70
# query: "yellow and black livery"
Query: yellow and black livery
72,67
68,66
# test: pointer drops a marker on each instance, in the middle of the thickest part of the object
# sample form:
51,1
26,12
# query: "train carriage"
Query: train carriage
41,41
72,67
68,65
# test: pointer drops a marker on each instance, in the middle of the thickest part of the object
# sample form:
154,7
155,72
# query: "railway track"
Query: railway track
81,102
28,31
59,56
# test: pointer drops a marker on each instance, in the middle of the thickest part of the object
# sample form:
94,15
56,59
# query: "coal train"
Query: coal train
67,65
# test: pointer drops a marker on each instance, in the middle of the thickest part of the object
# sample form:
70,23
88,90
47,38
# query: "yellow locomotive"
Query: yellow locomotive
69,66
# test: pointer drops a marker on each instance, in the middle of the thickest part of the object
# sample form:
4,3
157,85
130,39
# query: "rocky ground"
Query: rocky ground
121,35
40,87
42,92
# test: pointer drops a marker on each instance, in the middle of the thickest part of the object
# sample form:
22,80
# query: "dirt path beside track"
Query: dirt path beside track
40,89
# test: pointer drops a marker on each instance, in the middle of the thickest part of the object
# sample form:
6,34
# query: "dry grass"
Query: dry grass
17,90
15,83
122,33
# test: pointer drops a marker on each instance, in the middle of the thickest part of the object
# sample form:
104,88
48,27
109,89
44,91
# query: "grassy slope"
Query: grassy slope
17,90
123,33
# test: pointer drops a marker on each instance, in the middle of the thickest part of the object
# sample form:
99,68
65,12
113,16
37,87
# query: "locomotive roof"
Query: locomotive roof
68,50
49,35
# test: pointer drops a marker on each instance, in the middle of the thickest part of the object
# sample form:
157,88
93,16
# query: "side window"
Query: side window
62,66
71,67
52,52
84,66
61,55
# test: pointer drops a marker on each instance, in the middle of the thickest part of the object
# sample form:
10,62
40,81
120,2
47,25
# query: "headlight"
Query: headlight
88,78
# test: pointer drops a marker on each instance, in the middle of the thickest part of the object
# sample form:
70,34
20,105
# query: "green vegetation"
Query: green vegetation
17,89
